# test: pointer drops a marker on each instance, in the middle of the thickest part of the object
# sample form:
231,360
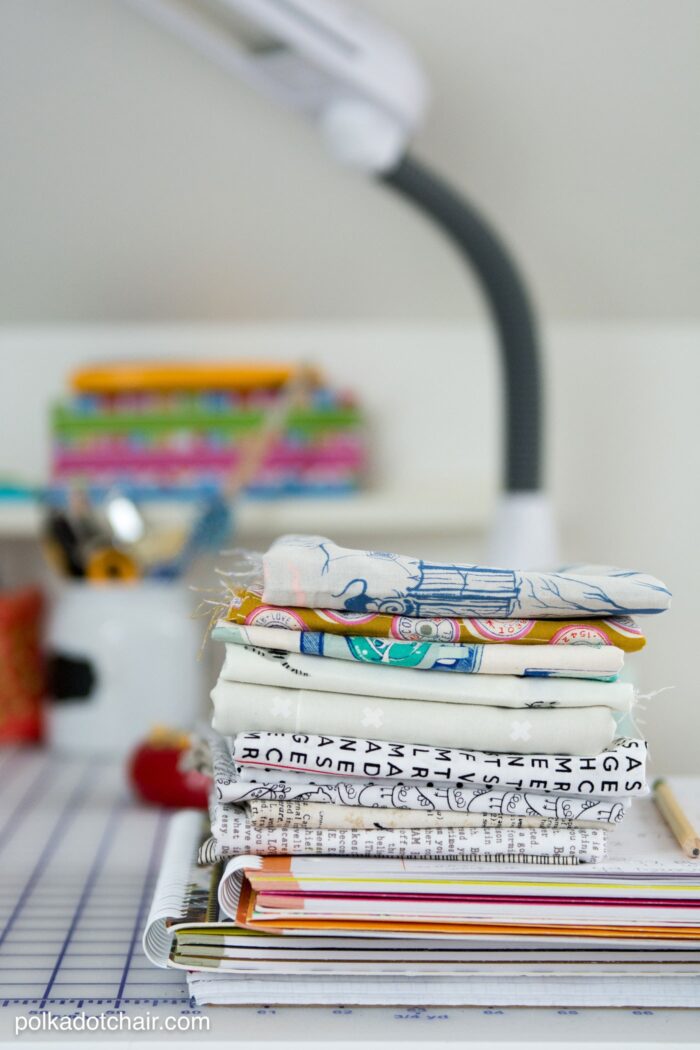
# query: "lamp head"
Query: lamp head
329,61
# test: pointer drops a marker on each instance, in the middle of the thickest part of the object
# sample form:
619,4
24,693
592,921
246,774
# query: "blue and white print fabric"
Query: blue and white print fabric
313,571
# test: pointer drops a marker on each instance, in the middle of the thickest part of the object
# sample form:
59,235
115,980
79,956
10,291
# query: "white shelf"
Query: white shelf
439,513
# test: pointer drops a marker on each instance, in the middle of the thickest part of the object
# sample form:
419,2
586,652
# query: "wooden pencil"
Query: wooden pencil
671,811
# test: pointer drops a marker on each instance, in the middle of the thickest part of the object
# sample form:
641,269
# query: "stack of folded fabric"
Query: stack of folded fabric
377,706
380,705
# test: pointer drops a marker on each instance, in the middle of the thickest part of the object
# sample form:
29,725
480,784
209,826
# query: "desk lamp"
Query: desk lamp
363,89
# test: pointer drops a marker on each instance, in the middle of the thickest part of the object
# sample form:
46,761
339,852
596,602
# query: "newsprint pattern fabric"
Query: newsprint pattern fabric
270,814
236,836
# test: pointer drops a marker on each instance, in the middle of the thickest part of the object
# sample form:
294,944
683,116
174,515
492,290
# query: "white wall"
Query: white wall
625,434
138,182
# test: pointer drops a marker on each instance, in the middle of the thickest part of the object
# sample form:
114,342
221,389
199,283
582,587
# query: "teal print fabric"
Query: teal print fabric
538,661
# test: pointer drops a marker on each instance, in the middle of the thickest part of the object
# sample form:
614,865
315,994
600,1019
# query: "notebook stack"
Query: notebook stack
417,764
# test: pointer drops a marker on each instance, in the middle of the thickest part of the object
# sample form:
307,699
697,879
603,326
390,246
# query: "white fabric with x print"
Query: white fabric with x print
277,709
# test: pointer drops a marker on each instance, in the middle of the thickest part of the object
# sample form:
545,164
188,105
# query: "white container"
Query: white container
127,660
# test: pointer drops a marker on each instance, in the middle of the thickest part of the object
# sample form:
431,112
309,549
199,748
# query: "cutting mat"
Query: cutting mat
78,863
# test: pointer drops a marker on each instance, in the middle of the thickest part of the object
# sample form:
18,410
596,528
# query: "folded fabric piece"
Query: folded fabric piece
393,794
234,835
242,707
426,798
618,771
314,571
270,667
263,814
543,661
247,607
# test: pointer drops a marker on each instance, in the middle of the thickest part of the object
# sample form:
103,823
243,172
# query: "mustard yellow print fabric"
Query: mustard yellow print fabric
247,607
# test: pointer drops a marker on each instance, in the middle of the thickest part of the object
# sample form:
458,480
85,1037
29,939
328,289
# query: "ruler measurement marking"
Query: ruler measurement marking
66,817
24,806
104,845
151,868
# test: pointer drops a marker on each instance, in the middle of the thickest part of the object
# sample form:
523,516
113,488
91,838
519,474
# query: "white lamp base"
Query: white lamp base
523,535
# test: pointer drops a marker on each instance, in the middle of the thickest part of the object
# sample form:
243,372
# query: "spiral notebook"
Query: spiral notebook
188,929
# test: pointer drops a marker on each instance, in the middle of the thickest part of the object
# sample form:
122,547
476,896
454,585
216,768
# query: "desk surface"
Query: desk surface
78,863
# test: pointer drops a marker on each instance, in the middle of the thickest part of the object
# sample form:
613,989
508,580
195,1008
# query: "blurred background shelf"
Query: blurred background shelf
365,515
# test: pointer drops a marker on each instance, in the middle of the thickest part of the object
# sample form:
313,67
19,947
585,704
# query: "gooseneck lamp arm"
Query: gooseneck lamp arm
363,89
508,300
